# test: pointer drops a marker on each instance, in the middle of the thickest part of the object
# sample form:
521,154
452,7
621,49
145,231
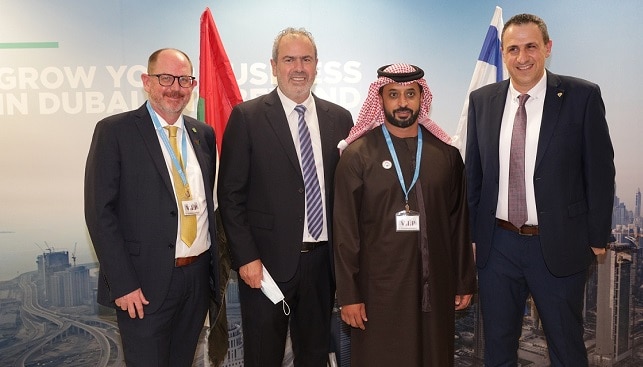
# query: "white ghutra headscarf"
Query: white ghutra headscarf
372,113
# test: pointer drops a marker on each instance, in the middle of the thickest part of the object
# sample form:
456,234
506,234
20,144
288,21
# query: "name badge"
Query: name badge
190,207
407,221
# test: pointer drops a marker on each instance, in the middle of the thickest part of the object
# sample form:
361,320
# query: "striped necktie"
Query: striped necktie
314,208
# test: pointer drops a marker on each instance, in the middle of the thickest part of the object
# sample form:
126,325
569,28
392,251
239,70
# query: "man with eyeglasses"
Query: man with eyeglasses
149,210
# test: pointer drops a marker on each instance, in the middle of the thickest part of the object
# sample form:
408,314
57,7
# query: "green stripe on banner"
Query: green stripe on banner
28,45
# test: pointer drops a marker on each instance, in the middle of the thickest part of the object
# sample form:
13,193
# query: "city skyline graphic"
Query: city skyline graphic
49,316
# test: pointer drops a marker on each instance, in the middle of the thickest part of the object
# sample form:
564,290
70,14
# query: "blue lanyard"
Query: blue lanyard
168,147
418,158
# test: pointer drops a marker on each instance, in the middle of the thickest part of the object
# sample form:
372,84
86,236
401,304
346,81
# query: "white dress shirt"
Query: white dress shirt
315,137
195,180
534,108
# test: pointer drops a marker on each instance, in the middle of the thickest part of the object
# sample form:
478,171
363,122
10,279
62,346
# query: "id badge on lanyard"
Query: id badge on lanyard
406,220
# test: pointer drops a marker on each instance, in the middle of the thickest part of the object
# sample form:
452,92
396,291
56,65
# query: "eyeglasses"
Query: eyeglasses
166,80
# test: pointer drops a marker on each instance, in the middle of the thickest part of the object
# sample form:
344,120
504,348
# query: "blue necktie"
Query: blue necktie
314,209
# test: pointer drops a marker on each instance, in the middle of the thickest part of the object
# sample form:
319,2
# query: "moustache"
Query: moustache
175,94
403,109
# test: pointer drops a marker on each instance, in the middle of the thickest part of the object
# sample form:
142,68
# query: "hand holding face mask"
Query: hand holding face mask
272,291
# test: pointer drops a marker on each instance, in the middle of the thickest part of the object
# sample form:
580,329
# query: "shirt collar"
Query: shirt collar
536,92
289,104
179,122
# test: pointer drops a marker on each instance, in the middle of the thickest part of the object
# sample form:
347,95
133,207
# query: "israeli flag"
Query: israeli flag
489,69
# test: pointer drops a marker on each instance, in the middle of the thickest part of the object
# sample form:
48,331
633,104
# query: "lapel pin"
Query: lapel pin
194,129
560,94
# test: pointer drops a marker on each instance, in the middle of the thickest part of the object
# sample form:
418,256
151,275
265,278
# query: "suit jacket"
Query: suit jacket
573,178
130,205
261,187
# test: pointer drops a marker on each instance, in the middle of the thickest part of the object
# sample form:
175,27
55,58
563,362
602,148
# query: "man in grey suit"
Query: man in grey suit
568,188
141,195
268,210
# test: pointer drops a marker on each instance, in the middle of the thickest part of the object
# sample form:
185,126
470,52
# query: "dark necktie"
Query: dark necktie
314,209
187,222
517,199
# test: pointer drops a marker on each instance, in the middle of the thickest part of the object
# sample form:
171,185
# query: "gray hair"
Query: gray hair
295,32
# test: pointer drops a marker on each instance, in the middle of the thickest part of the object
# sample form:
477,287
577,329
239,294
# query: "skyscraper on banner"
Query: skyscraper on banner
489,69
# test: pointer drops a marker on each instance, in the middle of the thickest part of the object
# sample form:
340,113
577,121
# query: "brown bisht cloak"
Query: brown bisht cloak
383,268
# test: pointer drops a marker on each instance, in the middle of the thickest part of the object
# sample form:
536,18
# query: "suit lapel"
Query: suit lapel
497,102
326,132
145,127
279,124
197,138
551,110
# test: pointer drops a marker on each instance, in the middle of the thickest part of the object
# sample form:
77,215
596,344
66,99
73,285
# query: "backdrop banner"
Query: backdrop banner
65,65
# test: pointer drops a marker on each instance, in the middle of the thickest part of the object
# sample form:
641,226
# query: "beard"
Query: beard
390,117
175,103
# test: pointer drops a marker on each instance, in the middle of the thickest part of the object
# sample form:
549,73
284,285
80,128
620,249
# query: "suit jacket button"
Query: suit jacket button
173,213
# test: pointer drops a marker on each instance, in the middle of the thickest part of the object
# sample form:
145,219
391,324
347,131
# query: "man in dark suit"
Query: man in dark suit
268,210
568,188
149,211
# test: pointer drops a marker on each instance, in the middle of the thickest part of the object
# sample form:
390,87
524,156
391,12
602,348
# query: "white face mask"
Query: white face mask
272,291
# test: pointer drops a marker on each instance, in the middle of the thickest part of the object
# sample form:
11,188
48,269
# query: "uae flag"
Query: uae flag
218,89
218,94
